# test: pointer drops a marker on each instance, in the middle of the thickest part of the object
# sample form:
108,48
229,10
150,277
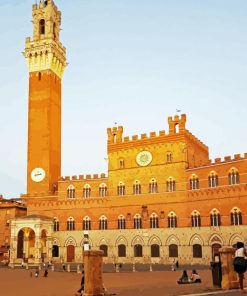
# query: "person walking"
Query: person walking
80,291
240,264
46,273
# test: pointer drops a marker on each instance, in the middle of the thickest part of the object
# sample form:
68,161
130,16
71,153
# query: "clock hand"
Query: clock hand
39,174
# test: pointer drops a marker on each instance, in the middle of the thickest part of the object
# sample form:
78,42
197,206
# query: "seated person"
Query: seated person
194,277
184,278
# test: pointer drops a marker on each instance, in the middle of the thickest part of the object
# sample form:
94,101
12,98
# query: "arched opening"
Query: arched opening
155,250
42,26
121,251
173,250
138,250
55,251
215,252
197,251
54,30
26,243
104,248
20,244
70,253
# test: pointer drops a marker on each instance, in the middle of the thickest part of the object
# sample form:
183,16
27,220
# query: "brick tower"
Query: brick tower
46,60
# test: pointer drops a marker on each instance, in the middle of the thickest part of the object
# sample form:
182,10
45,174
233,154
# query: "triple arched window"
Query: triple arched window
71,191
121,222
194,182
215,218
70,224
233,177
153,186
137,187
86,223
137,221
86,191
195,219
121,189
172,220
170,185
236,217
154,221
213,179
103,223
102,190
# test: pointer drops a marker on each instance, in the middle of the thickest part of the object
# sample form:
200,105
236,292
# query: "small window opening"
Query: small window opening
42,26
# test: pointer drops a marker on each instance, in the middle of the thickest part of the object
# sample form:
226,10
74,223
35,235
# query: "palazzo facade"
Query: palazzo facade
162,198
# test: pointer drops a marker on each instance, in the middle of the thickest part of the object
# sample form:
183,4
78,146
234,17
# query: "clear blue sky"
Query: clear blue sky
133,62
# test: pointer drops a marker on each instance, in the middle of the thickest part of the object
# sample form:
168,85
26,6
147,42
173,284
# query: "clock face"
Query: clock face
37,174
144,158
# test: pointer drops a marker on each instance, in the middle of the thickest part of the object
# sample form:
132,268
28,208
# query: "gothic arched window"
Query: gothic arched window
213,179
170,185
121,189
154,221
215,218
102,190
195,219
137,187
233,177
153,186
194,182
137,221
197,251
121,222
71,191
86,191
103,223
172,220
86,223
70,224
236,217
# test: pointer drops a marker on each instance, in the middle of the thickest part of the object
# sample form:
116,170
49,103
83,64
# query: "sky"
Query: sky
133,62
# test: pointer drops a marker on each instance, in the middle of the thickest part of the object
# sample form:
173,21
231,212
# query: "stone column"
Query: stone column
93,273
229,276
37,249
13,250
49,248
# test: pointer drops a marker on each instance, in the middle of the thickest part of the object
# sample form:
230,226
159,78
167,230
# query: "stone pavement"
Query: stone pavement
160,283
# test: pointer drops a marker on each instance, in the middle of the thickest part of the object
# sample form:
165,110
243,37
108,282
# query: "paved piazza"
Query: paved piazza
19,282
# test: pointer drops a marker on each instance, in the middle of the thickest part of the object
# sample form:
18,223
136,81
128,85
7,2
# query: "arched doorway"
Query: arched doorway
137,250
70,253
104,248
26,243
215,252
55,251
121,251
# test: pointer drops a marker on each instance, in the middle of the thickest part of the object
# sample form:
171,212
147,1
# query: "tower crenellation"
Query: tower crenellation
176,124
115,135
